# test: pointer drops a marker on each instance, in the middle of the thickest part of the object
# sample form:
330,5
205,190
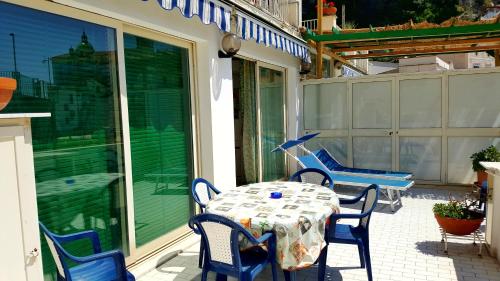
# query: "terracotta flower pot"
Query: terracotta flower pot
329,11
7,88
481,177
458,226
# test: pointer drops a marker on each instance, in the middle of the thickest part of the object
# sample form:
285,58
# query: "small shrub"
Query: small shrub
455,209
489,154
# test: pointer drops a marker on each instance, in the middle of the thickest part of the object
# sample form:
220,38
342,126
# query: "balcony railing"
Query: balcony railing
310,24
284,13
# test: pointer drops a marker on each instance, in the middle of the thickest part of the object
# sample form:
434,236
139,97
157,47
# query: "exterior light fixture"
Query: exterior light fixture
231,44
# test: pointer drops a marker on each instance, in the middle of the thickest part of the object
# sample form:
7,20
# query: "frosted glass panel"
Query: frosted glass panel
336,146
372,152
325,106
459,151
421,156
372,105
474,100
420,103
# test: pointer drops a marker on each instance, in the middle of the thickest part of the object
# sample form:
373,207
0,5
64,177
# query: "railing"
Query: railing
286,12
310,24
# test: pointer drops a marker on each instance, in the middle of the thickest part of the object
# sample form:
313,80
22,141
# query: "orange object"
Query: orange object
329,11
7,88
246,222
458,226
481,177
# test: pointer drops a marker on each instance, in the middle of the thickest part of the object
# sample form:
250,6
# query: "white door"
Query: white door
373,124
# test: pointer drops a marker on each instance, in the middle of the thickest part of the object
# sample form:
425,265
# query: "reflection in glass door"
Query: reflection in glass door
272,122
158,91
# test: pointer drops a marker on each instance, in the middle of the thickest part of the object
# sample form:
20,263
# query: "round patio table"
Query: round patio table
298,218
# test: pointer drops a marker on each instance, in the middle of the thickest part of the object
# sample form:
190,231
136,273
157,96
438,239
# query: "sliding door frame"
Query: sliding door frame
137,253
121,27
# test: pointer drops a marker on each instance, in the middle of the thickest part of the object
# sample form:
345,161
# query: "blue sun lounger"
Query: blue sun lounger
391,187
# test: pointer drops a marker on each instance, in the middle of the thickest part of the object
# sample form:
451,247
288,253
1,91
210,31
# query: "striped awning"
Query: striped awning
208,11
248,28
211,11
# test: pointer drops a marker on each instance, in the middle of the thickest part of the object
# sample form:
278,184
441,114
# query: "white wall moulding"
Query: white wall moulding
425,123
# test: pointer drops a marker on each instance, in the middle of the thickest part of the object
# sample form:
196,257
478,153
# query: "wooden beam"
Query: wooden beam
385,46
319,10
497,57
319,60
422,52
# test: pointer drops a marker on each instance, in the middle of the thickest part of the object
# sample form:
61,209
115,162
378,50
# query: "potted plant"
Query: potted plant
459,217
489,154
7,88
329,8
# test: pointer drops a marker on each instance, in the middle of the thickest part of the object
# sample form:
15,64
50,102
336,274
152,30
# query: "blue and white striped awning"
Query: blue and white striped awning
211,11
208,11
251,29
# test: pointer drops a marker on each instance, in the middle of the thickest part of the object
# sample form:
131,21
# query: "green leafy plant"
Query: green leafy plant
489,154
459,209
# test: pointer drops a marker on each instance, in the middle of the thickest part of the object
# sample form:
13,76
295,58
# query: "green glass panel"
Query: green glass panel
160,135
272,103
68,68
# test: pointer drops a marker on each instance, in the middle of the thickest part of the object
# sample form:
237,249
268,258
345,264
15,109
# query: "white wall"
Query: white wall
213,76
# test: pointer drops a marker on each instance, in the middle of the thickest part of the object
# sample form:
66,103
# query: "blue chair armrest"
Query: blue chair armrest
348,216
116,255
89,234
265,237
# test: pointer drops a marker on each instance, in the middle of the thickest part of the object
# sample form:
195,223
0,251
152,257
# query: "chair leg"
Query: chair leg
290,275
204,274
366,248
322,263
220,277
361,255
274,270
202,254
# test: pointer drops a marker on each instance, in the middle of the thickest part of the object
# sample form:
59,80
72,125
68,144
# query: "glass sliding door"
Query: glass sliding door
272,122
158,91
71,73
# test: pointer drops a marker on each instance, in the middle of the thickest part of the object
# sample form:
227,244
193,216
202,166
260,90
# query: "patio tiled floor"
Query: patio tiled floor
405,245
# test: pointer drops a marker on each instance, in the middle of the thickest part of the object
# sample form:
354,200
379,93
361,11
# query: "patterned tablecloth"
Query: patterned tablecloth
298,218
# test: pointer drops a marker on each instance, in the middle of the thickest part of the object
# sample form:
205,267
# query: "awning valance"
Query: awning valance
208,11
248,28
211,11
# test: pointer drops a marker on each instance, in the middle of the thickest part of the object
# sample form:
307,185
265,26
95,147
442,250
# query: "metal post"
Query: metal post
47,60
343,16
14,50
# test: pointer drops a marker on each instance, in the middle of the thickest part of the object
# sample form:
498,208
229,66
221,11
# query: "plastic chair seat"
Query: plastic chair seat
345,233
97,270
253,259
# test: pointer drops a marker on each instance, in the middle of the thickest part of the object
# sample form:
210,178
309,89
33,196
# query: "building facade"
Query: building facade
141,104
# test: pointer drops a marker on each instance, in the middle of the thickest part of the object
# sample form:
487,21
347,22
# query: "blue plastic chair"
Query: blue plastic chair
222,251
348,234
313,175
202,185
108,265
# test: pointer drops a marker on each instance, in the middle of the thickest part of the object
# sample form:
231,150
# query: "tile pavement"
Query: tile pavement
405,245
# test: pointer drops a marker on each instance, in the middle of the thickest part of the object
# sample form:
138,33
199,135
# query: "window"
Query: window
78,151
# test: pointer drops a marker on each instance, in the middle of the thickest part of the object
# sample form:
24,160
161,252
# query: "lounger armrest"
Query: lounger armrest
89,234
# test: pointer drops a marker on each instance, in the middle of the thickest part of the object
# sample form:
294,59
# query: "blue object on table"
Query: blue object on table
348,234
70,181
276,195
223,255
202,185
108,265
313,175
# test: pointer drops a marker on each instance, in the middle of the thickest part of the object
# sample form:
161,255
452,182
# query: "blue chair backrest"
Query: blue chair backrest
370,194
313,175
202,191
58,253
220,236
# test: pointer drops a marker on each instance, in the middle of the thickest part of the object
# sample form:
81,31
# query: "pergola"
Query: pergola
452,36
